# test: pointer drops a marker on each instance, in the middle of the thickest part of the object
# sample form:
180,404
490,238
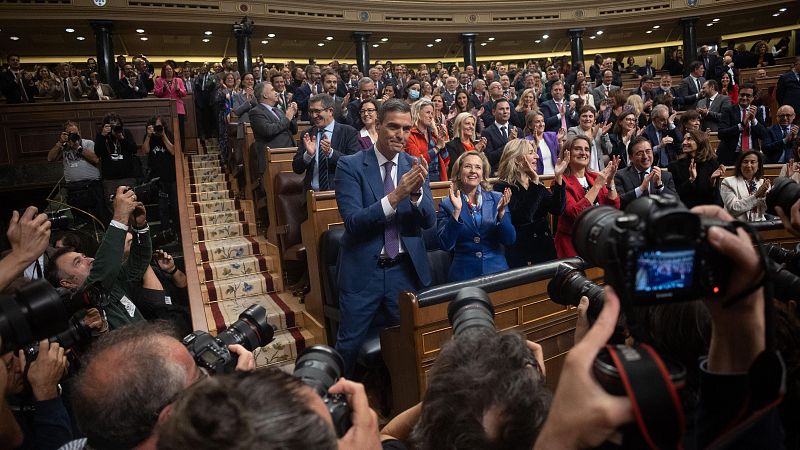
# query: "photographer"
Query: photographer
737,352
129,379
84,189
296,418
116,149
73,270
160,150
40,412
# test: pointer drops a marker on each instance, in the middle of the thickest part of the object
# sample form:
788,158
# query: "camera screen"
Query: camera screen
209,357
664,270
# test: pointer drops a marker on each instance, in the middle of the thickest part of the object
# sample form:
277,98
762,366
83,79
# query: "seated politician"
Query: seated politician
473,222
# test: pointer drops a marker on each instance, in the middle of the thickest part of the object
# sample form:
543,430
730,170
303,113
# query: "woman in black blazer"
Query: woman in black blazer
531,203
697,172
463,137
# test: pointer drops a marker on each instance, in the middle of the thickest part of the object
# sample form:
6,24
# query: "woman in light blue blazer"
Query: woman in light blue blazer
474,222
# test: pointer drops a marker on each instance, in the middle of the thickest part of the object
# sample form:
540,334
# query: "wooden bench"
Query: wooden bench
410,348
302,125
748,75
278,160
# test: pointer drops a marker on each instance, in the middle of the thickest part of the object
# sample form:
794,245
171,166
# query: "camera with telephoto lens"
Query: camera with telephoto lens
320,367
146,193
59,220
785,193
656,251
569,284
788,258
211,352
40,311
78,332
471,310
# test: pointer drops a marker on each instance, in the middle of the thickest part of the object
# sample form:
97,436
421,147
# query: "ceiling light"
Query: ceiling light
649,31
70,30
715,20
14,38
80,38
271,35
208,33
144,38
782,10
376,45
265,42
430,45
329,38
490,39
321,44
483,44
206,40
710,24
437,40
655,27
384,39
538,41
599,32
545,36
776,14
139,30
592,37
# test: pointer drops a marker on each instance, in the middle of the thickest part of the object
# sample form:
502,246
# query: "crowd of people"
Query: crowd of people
494,132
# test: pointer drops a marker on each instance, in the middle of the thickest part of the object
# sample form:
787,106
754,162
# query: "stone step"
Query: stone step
223,231
210,196
282,313
242,286
231,248
219,270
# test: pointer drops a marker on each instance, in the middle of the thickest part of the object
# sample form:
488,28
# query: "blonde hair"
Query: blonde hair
532,114
416,107
455,171
636,103
522,96
511,169
458,125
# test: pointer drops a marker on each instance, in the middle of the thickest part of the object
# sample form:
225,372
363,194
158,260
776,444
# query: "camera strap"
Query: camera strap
654,399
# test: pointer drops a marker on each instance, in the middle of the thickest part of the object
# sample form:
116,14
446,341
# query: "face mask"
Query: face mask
413,95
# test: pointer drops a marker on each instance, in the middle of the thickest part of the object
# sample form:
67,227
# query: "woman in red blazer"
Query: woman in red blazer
584,190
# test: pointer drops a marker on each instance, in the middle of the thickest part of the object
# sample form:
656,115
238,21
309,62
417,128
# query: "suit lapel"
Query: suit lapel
373,174
487,211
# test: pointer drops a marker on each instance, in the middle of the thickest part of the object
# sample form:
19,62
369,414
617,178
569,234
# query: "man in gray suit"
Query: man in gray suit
641,177
603,90
271,126
710,107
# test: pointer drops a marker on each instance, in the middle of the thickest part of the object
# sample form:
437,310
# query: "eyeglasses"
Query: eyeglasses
317,111
784,115
368,111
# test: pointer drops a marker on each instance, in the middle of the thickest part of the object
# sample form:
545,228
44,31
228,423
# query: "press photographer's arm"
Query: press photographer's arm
29,235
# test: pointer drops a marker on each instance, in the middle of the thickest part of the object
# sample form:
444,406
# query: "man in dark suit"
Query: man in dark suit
271,126
788,90
647,70
310,87
558,113
711,105
479,95
691,87
739,130
130,86
499,132
603,90
710,61
385,203
495,93
450,92
366,91
330,86
203,88
13,84
322,145
641,177
781,137
664,136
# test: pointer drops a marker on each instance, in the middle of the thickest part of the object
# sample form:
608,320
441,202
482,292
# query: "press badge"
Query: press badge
129,306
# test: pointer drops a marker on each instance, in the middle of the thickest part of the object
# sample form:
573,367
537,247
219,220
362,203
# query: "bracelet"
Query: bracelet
172,272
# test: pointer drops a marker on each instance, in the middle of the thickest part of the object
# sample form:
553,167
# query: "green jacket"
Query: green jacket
108,269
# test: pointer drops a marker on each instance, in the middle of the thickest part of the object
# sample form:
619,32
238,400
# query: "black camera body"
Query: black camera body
158,130
74,137
319,367
146,193
77,332
250,331
569,284
657,251
784,193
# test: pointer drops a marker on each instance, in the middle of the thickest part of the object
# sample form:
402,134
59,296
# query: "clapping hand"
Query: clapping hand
562,134
481,145
692,170
562,163
751,113
718,173
455,199
310,144
762,190
656,175
325,145
501,205
513,133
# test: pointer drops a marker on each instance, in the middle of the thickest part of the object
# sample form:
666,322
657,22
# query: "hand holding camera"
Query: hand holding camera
124,204
363,433
46,370
28,234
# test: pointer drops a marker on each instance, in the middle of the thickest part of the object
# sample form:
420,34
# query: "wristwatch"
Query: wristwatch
659,187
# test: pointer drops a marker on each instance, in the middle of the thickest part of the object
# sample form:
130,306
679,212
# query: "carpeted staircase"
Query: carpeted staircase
237,266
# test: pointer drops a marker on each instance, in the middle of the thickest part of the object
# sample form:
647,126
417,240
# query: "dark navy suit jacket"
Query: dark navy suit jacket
550,111
344,142
359,190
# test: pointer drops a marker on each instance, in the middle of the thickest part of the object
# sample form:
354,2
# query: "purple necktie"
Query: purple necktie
391,240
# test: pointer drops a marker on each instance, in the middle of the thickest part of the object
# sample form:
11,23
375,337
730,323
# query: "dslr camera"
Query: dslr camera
319,367
147,193
569,284
784,193
250,331
158,130
656,251
471,310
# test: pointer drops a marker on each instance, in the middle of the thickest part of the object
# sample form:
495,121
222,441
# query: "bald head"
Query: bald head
786,115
